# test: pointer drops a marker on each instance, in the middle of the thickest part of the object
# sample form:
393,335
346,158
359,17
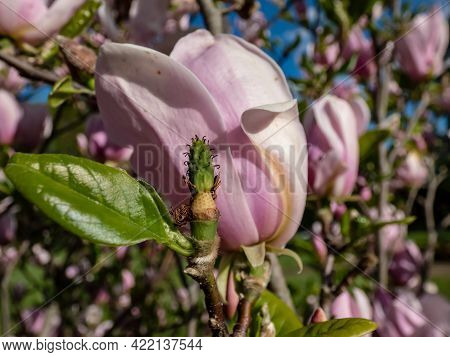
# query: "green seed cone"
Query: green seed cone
201,168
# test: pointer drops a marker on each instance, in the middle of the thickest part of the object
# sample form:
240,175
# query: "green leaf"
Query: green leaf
96,202
284,319
289,253
337,328
255,254
63,90
369,141
81,20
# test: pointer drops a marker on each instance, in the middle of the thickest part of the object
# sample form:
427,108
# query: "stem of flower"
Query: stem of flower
204,218
253,284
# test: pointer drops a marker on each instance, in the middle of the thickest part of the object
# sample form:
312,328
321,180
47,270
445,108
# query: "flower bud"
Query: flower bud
96,144
10,115
413,172
406,265
331,131
318,316
420,52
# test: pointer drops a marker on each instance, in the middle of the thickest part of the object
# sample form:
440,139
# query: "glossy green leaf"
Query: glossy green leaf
82,19
369,140
62,91
337,328
284,319
96,202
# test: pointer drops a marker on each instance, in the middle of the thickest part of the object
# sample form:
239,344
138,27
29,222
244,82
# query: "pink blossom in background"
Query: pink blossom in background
331,131
10,115
10,79
328,53
413,172
397,316
320,248
393,235
96,144
32,21
159,24
34,126
354,304
230,91
436,309
406,264
128,281
252,27
360,45
349,91
420,52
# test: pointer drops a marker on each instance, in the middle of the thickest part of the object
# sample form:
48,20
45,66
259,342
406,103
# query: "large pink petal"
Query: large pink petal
59,13
241,77
276,131
10,115
156,105
16,15
238,74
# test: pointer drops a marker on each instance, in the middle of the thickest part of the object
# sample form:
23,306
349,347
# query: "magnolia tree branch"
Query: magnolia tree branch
212,16
434,183
381,107
254,281
204,219
29,71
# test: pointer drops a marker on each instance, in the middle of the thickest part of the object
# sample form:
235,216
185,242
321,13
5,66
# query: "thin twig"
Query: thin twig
212,16
244,318
381,107
412,123
29,71
432,233
364,266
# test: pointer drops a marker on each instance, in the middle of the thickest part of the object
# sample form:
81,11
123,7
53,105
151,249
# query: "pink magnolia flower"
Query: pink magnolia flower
160,23
147,19
10,115
128,281
355,304
349,91
32,21
96,144
413,171
34,126
10,79
420,52
360,45
252,27
331,130
327,52
229,91
397,316
436,309
406,264
393,235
